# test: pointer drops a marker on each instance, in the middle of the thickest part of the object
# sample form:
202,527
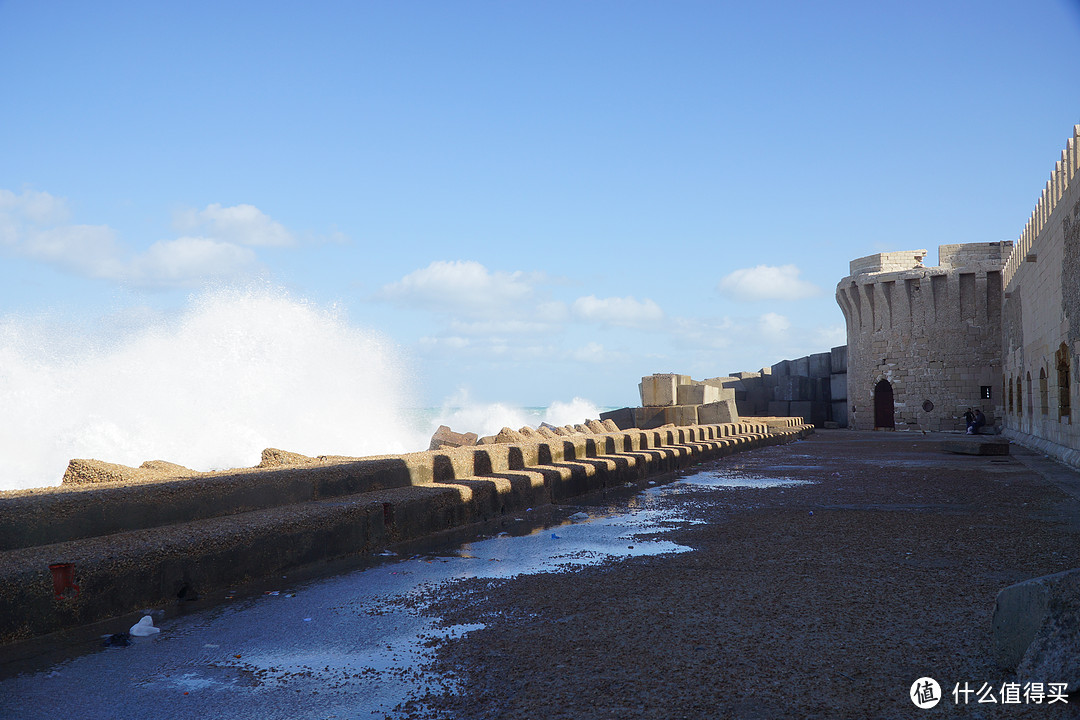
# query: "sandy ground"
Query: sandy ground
825,600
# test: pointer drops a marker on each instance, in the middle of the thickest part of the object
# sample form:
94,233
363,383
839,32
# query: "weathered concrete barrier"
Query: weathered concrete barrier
131,544
1036,629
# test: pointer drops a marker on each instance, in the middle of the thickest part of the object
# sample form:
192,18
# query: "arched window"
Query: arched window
1010,384
1030,396
1044,393
1061,358
1019,398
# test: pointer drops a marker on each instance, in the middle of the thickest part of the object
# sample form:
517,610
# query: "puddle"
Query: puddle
720,480
354,645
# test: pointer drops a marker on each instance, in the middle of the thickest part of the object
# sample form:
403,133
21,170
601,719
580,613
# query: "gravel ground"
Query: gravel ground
825,600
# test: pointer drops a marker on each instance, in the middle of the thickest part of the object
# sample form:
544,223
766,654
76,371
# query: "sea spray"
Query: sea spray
462,414
209,388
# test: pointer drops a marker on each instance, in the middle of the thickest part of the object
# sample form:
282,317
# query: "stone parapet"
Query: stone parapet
145,561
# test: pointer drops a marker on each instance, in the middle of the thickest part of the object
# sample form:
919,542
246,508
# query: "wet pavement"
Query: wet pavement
352,645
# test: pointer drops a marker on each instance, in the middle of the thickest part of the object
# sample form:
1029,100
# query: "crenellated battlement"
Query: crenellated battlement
887,262
894,292
985,256
1062,175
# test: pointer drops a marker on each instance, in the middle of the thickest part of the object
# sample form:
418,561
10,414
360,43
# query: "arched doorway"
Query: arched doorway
883,406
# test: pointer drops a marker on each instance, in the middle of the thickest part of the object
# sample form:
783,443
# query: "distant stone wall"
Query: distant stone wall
1040,343
813,388
923,342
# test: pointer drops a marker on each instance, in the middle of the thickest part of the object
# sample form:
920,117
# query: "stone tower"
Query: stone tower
924,343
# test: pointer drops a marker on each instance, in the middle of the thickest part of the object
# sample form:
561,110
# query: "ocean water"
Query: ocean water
210,387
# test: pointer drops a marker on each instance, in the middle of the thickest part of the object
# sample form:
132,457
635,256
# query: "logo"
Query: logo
925,693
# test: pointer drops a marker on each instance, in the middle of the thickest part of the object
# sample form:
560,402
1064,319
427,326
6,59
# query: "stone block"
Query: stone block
623,418
648,418
1036,629
839,412
508,435
681,415
838,386
779,408
273,457
800,367
723,411
757,401
726,381
661,389
781,368
803,409
596,427
95,471
610,425
445,437
976,445
838,361
821,389
792,388
820,365
698,394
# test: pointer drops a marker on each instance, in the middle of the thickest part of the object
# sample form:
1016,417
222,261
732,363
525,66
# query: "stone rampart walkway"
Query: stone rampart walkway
825,600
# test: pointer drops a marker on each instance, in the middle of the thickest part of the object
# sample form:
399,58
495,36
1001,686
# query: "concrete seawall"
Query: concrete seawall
137,544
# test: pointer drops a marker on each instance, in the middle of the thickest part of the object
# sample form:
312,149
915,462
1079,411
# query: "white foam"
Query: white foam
236,371
462,414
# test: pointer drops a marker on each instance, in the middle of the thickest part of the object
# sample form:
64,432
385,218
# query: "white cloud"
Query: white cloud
462,286
187,260
500,327
767,282
773,326
453,342
34,225
37,207
87,249
593,352
626,312
240,224
708,333
830,336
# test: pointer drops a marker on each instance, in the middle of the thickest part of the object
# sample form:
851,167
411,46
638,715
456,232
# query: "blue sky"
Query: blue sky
528,201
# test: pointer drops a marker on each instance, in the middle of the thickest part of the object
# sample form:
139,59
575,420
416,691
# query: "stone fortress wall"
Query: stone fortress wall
923,342
1040,343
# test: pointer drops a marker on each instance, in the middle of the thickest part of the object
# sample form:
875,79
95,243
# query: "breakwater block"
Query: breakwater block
976,446
445,437
623,418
